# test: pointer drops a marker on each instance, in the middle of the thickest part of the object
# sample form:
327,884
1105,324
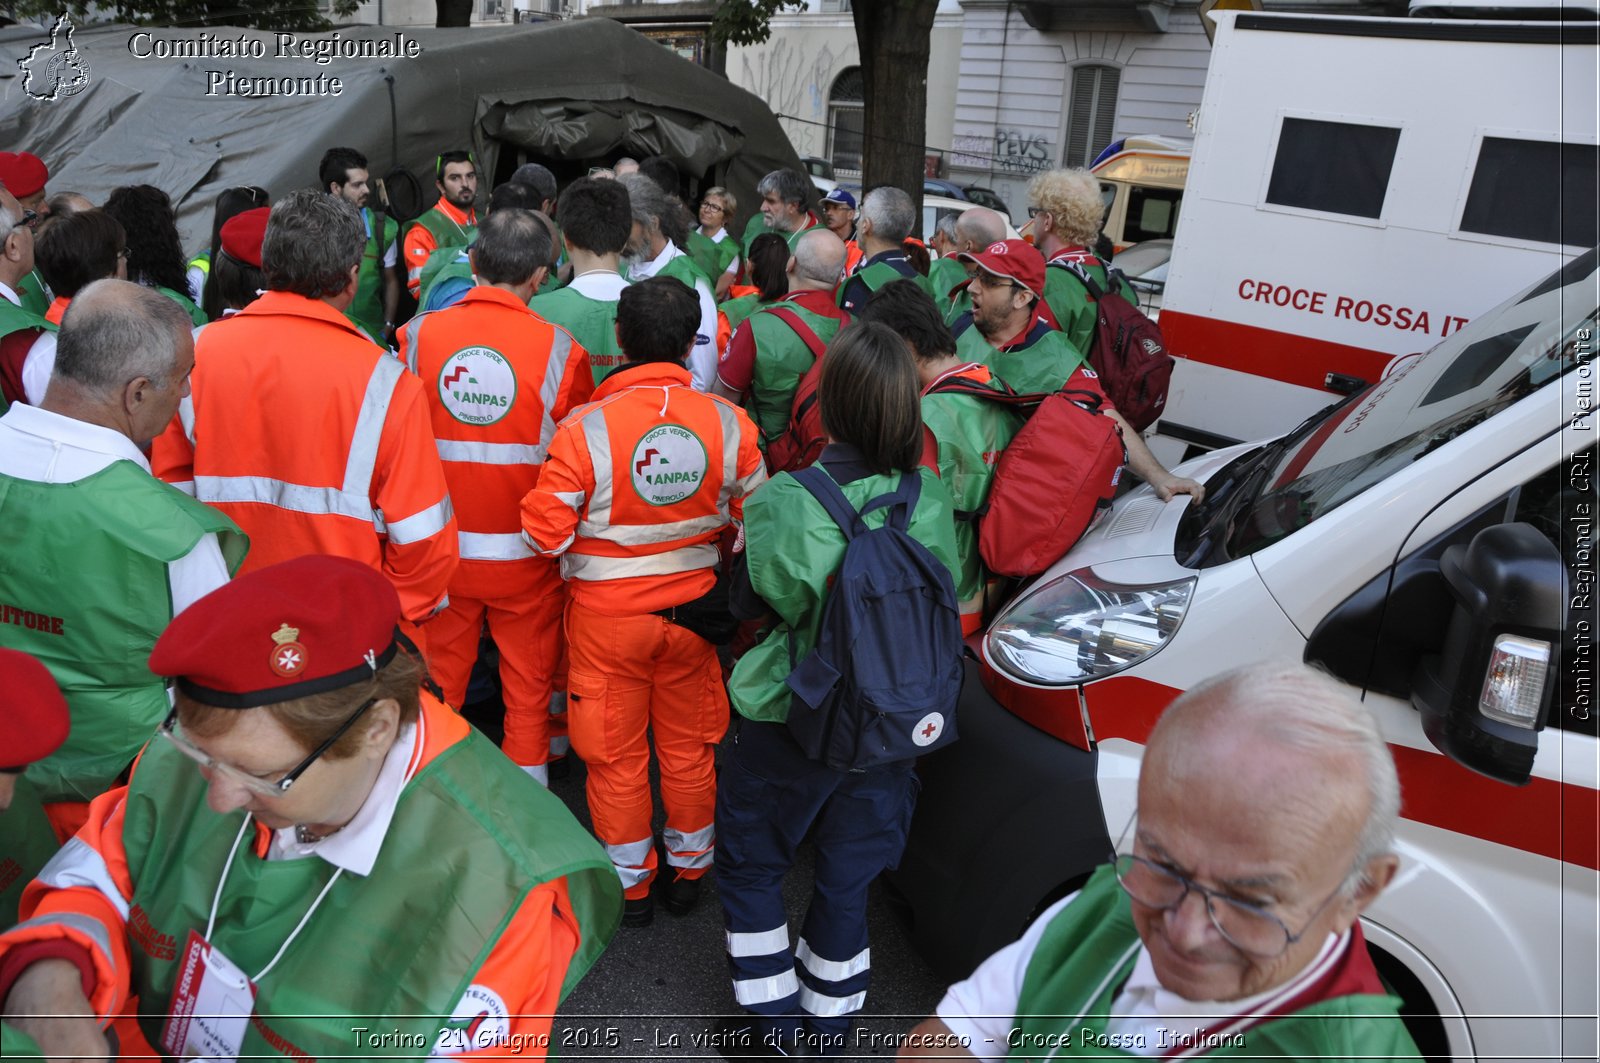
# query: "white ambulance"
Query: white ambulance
1430,540
1359,189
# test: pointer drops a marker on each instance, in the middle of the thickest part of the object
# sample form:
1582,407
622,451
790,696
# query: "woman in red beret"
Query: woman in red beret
313,860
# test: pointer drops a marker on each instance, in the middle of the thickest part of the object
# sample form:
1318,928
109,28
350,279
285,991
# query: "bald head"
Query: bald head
818,259
16,242
115,331
979,227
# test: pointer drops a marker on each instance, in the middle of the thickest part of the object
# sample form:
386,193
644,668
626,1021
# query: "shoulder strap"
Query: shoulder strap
1007,397
807,336
899,502
826,492
1082,274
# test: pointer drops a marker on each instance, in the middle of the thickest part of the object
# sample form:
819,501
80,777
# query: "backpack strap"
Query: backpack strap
807,336
1077,270
900,502
1006,397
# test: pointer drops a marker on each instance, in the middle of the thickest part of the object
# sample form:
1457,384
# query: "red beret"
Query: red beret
242,235
292,629
22,174
33,714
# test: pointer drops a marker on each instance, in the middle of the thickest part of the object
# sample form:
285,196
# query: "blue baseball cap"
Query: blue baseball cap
841,197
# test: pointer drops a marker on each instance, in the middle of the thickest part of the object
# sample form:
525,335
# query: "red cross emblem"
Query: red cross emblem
929,731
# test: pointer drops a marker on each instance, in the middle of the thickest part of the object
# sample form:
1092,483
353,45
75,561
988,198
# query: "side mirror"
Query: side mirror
1486,695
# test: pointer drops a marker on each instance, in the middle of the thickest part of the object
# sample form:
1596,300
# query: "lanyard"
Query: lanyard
216,900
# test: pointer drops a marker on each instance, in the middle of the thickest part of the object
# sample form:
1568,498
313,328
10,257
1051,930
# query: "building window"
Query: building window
846,121
835,5
1092,114
1338,167
1534,190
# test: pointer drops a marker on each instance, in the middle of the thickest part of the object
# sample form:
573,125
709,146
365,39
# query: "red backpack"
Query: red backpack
803,440
1127,351
1052,482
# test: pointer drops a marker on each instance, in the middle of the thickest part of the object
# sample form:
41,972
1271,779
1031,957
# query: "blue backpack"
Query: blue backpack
881,684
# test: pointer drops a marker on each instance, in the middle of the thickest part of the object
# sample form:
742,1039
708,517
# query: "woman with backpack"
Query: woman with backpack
781,776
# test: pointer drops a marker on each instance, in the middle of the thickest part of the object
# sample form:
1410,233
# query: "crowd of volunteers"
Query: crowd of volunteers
279,518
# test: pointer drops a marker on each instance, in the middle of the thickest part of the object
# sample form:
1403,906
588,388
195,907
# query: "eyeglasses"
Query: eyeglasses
715,207
30,218
1034,212
268,788
993,280
122,253
1248,927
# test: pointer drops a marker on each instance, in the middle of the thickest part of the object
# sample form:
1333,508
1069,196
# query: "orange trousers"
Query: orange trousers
526,629
628,676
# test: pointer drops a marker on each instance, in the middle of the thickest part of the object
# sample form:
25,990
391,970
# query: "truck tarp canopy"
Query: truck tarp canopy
568,94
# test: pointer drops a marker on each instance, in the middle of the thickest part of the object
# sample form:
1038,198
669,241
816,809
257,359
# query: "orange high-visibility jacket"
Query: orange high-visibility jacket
637,487
498,377
313,440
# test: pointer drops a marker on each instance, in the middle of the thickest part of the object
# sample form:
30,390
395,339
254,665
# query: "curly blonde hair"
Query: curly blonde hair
1072,199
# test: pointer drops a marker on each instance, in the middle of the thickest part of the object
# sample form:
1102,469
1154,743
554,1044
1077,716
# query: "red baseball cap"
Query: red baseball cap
22,173
33,714
286,631
1016,260
243,233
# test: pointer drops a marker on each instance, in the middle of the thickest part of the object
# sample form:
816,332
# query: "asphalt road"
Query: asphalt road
659,988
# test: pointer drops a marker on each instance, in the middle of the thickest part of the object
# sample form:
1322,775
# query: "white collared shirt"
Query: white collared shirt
601,285
9,294
355,846
37,366
45,447
1147,1019
703,358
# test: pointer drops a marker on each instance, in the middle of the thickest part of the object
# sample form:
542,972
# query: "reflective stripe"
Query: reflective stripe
368,432
554,370
645,534
186,486
690,850
297,498
88,926
748,991
413,353
596,567
533,544
489,546
423,525
186,417
729,420
814,1003
628,858
753,481
490,453
759,943
832,970
572,499
598,441
78,864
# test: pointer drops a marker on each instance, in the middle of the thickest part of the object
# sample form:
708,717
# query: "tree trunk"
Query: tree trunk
894,38
452,13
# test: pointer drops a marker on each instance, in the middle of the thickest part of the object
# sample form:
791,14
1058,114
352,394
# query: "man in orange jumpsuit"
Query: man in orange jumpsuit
635,492
304,431
498,378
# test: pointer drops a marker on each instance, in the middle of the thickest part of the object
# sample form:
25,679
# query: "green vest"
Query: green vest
87,561
740,307
33,293
878,274
971,434
447,237
782,358
434,274
27,842
712,256
592,322
14,318
366,310
683,267
18,1044
196,315
1092,944
1069,301
793,548
1042,367
943,276
394,950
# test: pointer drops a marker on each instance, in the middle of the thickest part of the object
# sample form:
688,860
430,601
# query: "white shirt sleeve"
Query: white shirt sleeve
37,367
197,283
197,573
703,358
392,256
733,267
983,1008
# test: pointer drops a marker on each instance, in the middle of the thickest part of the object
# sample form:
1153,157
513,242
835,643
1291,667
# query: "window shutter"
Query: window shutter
1092,112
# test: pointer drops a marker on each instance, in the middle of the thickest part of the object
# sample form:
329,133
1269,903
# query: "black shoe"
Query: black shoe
638,911
680,895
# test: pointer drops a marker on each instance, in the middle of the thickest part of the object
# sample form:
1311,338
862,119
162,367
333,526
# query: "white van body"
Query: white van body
1275,308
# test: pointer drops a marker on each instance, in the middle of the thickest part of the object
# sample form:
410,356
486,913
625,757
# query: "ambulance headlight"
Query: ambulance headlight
1078,627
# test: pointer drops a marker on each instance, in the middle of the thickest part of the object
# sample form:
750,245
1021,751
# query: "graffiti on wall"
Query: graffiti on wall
972,152
794,83
1018,151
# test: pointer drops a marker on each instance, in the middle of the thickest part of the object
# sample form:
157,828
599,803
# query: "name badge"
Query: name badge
211,1005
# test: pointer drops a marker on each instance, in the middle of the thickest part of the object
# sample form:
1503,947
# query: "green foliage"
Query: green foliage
747,21
291,15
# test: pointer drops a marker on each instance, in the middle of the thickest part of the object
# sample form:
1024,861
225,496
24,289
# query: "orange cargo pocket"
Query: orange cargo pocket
588,722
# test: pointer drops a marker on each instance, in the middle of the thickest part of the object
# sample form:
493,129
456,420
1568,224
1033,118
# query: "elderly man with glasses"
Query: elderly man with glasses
1227,925
351,870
